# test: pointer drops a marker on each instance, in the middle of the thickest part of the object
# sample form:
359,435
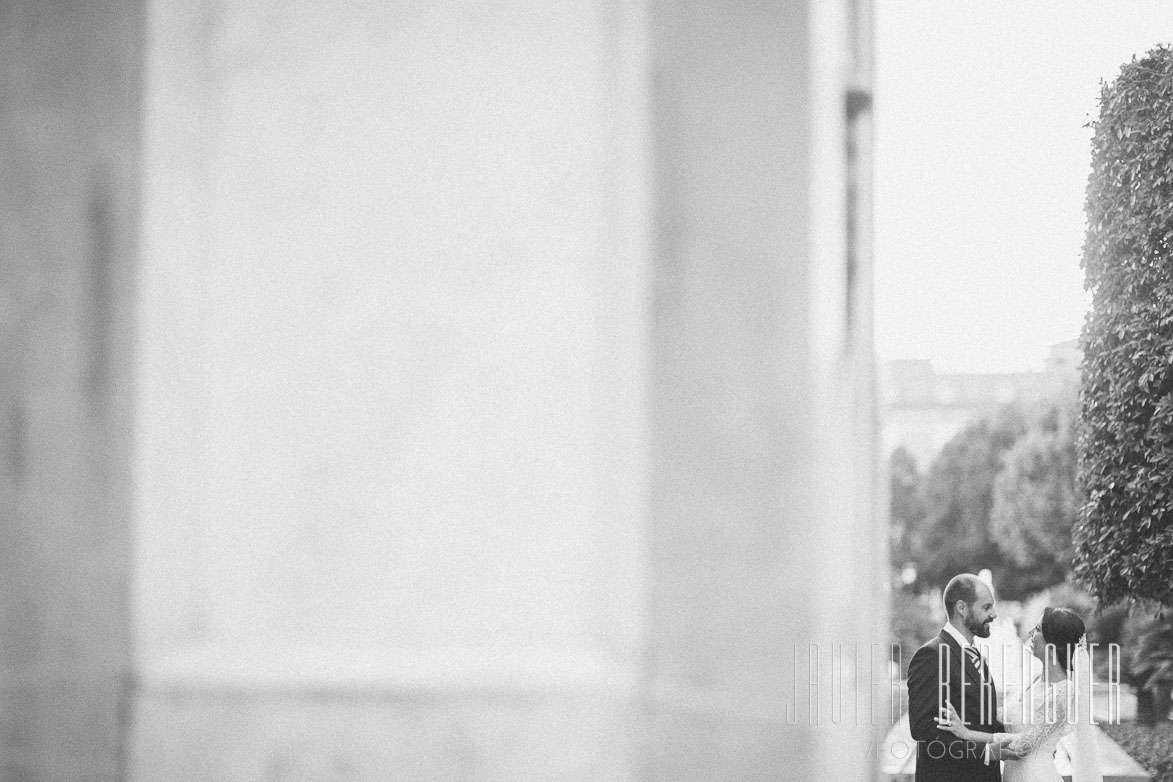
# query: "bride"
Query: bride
1063,701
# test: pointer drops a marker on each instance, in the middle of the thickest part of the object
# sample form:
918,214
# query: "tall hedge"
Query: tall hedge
1124,537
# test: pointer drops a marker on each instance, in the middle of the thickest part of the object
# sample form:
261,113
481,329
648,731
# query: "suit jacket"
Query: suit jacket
941,666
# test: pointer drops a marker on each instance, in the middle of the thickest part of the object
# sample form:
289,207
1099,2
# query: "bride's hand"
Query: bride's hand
952,723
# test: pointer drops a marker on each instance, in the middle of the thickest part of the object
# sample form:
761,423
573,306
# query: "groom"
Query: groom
949,667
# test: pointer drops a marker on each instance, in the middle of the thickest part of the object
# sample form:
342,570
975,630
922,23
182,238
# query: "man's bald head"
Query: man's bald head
969,604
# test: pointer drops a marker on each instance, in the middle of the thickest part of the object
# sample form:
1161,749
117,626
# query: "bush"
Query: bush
1147,664
1124,538
1107,625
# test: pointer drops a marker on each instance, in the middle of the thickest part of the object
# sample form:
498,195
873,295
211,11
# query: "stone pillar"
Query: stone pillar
501,382
392,431
762,535
69,118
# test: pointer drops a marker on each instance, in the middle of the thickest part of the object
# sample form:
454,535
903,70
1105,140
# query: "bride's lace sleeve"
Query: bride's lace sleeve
1050,715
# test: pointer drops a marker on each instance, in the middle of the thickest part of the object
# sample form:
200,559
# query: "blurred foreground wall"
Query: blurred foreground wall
434,390
69,146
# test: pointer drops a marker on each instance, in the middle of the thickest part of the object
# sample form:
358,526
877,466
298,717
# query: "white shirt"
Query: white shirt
987,757
964,644
957,636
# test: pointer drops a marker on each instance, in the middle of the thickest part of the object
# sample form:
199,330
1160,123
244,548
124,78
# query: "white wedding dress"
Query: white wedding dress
1046,709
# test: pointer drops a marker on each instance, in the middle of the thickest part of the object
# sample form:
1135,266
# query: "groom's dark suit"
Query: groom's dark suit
941,756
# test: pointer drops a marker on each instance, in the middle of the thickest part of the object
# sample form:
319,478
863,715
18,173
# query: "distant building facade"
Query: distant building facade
923,409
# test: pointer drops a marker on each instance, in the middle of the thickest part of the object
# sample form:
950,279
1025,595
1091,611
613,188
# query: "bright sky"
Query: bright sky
981,162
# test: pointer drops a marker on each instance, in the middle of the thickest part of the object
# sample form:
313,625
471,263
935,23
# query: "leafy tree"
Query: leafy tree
1035,499
1124,539
956,534
906,508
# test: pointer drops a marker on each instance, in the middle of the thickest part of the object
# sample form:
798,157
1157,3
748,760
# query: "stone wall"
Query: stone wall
502,393
391,370
69,120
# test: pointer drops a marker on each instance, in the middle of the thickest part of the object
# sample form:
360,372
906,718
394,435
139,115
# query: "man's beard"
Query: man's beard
981,630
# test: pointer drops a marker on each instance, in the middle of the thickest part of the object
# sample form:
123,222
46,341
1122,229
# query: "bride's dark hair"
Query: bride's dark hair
1063,628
